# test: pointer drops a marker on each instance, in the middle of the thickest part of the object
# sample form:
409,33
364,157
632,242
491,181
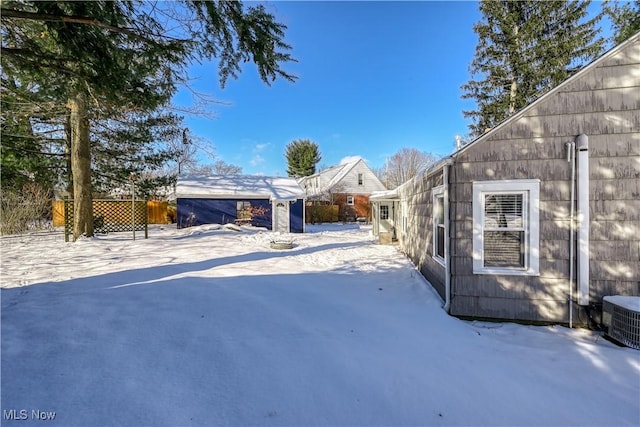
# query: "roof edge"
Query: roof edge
606,55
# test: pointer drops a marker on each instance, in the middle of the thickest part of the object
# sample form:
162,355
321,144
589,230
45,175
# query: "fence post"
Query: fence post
146,220
66,219
132,177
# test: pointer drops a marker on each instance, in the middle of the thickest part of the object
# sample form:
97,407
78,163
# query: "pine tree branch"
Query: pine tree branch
84,20
33,16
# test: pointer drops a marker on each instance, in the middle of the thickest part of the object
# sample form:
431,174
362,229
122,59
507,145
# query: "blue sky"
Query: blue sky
373,77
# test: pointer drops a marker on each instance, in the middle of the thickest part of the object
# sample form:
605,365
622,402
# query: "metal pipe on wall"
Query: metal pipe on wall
582,146
447,259
571,158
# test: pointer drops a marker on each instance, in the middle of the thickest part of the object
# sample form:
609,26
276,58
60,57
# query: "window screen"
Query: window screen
439,225
504,230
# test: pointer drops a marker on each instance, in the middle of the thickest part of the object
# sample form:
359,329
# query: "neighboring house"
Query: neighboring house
271,202
492,226
347,185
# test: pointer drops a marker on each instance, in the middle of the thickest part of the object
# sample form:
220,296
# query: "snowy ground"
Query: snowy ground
208,326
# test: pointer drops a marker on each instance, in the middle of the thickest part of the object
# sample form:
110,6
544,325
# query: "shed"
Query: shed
275,203
538,219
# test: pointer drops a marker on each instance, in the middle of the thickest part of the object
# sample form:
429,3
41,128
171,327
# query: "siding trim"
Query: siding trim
532,229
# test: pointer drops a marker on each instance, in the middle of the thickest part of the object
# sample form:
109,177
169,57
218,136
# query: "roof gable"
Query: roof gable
554,91
332,178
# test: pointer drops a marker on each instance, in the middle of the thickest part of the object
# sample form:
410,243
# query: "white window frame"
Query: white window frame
360,179
386,213
438,193
350,200
530,188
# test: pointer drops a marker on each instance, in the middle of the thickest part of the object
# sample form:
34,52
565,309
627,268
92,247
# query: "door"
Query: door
282,217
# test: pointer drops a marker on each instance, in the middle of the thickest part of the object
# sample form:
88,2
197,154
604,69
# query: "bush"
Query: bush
25,210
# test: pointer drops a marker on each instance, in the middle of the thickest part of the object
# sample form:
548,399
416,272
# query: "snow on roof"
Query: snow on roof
251,186
384,195
346,168
630,303
333,175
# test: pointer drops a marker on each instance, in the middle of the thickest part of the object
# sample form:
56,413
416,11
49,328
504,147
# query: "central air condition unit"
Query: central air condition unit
621,318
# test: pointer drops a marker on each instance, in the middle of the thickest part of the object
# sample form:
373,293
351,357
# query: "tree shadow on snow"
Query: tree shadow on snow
147,275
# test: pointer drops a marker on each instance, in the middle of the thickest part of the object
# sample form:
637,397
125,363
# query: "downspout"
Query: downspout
447,255
571,158
582,146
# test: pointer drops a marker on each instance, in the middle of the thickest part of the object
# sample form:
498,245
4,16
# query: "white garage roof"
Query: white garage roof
238,186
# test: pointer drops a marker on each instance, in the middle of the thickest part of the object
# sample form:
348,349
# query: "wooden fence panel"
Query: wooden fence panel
58,213
158,212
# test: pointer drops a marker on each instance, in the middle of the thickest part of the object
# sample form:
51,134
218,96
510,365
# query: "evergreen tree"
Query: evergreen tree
133,143
302,157
128,57
30,150
625,19
524,49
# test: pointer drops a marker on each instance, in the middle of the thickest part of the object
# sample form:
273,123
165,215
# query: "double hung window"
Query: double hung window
506,228
439,230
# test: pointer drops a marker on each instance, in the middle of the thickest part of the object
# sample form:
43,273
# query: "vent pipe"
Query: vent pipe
447,246
571,158
582,146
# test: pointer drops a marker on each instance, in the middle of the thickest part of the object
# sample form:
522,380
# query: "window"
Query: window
439,231
350,200
360,179
243,210
506,229
384,212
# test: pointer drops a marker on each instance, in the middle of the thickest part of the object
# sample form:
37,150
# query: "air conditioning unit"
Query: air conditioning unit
621,318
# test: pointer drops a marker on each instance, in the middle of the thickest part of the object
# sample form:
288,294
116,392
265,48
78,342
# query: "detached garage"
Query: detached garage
271,202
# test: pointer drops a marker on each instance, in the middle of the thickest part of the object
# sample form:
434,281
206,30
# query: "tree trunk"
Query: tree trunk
67,152
80,166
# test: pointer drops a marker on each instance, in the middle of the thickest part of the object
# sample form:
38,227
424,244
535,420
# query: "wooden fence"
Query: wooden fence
157,212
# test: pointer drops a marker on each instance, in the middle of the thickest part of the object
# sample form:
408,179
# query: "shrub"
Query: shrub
24,210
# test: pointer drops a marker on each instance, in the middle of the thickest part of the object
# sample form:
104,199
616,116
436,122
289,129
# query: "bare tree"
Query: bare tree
404,165
219,167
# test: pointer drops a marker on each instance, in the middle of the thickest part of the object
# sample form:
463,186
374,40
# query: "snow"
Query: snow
209,326
250,186
630,303
350,159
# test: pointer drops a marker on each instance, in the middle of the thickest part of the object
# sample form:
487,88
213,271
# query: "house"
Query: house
499,228
347,185
271,202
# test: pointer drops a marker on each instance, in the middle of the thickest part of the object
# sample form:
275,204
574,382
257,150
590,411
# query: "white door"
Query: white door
282,217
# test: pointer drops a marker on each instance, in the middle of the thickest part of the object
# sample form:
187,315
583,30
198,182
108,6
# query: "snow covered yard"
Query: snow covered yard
208,326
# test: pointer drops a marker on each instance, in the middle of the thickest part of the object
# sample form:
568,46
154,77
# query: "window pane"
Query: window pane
440,241
384,212
439,214
503,211
504,249
243,210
